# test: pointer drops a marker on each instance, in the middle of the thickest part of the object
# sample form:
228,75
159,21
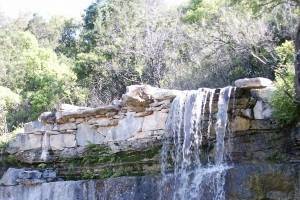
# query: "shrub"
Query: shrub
285,109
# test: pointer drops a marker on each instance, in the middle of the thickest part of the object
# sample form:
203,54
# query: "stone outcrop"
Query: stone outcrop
133,123
253,83
13,177
125,138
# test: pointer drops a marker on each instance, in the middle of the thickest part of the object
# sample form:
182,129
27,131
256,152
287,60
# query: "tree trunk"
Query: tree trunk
297,64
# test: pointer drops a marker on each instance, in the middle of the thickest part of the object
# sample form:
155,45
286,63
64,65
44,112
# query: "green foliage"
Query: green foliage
201,10
285,109
47,32
43,79
259,6
67,44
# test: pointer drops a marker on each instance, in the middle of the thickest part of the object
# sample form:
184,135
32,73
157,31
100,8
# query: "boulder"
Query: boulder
48,117
253,83
11,176
143,95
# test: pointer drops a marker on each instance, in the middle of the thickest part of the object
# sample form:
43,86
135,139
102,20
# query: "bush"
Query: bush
285,109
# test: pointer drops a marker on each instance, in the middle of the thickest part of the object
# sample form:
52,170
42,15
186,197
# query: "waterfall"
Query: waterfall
45,146
189,170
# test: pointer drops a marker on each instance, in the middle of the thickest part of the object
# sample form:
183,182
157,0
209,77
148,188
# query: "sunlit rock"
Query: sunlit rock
262,110
253,83
61,141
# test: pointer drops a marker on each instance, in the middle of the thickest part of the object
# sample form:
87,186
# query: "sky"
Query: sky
46,8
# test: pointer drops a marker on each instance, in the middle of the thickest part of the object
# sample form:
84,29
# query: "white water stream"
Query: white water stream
196,173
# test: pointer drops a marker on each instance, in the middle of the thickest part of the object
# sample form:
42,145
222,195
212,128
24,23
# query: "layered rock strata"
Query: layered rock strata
125,138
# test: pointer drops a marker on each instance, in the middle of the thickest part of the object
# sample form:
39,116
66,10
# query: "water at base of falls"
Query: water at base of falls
190,170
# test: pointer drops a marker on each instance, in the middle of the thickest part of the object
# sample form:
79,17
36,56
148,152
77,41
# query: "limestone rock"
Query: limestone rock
143,95
138,96
10,177
253,83
248,113
86,134
156,121
70,108
240,124
48,117
34,174
61,141
65,115
262,110
67,126
13,177
127,128
32,126
264,94
103,122
25,141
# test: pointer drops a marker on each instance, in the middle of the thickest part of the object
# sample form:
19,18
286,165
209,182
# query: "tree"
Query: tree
259,5
47,32
43,79
68,41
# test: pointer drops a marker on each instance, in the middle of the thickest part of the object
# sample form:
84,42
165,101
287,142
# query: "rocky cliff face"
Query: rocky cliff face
119,146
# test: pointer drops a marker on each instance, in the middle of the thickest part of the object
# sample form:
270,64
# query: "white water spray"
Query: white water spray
194,175
45,147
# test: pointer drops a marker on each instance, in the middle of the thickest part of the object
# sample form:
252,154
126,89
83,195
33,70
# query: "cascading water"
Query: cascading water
186,158
45,147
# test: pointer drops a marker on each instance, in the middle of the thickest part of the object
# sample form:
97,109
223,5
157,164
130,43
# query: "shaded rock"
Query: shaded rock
67,126
32,174
48,117
264,94
240,124
33,126
49,175
133,188
10,177
253,83
248,113
103,122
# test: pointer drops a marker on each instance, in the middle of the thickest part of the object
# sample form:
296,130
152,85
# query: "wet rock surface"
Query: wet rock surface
254,181
124,140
